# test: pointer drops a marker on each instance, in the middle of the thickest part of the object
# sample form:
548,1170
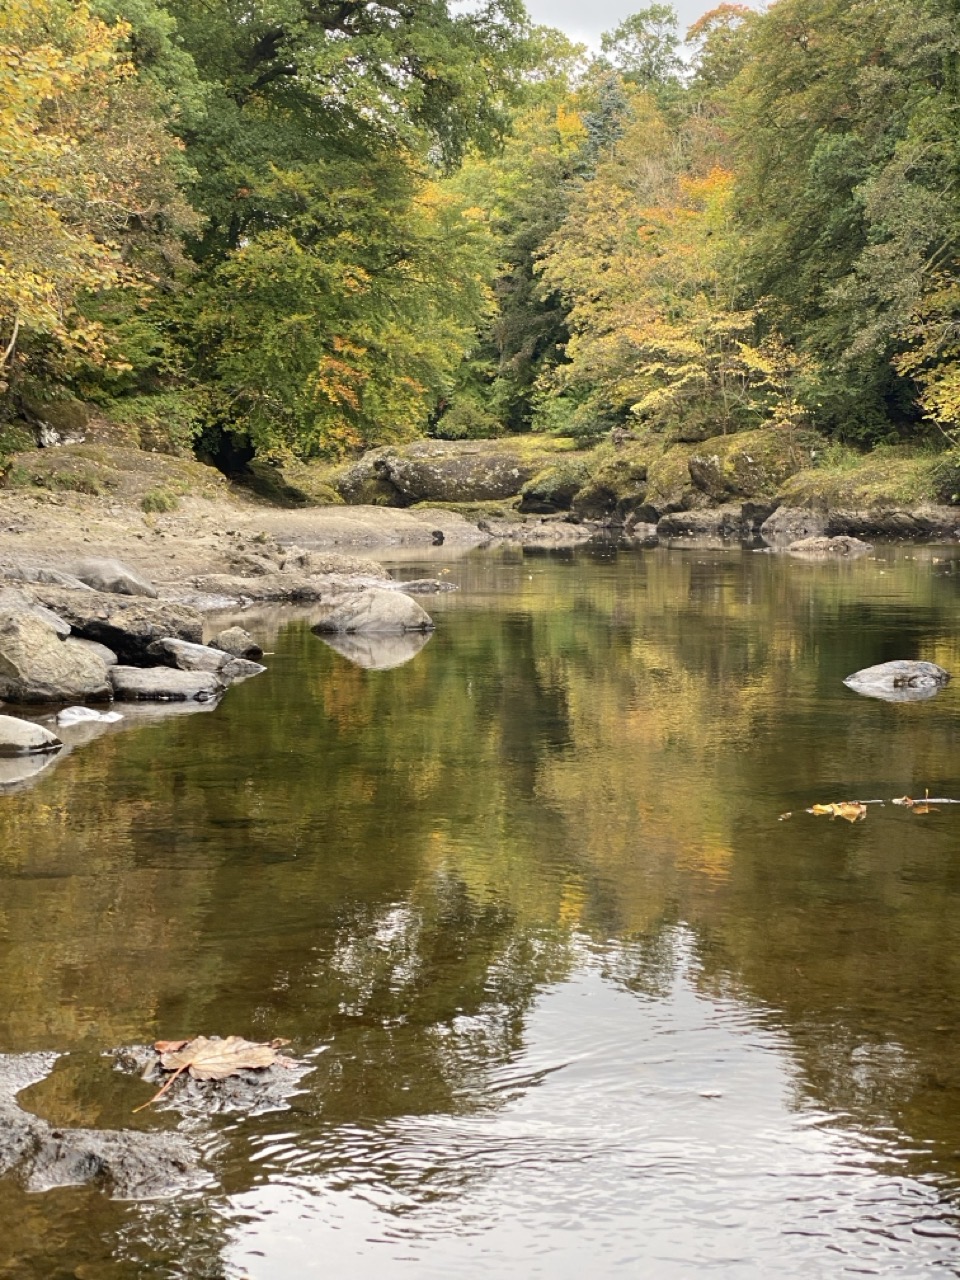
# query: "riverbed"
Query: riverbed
576,999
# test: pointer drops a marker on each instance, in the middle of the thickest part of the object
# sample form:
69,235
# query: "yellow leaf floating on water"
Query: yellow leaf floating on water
849,810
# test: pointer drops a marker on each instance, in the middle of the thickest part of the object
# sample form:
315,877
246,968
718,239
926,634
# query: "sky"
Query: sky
584,20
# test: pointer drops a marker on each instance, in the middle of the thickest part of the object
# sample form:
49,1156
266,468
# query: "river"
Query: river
576,1000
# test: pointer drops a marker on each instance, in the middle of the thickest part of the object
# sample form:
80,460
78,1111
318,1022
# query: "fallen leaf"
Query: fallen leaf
849,810
211,1059
785,817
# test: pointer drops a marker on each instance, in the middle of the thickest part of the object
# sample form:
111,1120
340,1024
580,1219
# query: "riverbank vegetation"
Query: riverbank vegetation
321,227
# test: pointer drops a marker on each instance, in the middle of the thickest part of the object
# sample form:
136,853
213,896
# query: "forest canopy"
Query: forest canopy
308,227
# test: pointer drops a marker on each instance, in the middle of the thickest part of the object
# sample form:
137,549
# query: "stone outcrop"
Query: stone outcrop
375,612
443,471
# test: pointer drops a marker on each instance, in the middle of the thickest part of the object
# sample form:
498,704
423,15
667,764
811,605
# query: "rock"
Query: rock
37,666
164,684
894,522
555,487
247,1092
237,642
14,601
825,548
722,522
171,652
114,577
899,681
547,531
367,483
108,656
376,611
791,524
23,738
268,587
378,652
296,560
444,471
293,483
751,464
131,1164
127,626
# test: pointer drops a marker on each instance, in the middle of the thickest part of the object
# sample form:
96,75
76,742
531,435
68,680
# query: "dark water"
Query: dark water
578,1004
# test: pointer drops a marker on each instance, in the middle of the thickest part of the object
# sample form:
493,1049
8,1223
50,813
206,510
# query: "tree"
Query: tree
87,191
644,47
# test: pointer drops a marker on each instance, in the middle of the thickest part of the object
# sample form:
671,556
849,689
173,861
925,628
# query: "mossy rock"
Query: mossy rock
751,464
295,483
887,478
616,479
64,414
15,437
555,487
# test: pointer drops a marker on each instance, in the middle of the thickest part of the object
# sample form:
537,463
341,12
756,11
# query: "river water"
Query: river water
577,1002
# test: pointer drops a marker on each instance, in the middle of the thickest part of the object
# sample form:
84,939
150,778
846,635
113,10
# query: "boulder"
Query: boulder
238,643
448,471
114,577
24,738
170,652
899,681
375,612
164,684
37,666
127,626
922,521
366,482
828,548
791,524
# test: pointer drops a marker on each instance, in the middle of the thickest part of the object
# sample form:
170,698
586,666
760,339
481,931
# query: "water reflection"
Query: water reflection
578,1002
377,652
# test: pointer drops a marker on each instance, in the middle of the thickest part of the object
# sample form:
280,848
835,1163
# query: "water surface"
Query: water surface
578,1003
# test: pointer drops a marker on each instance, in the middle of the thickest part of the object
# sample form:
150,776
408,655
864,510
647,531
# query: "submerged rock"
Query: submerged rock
115,577
720,522
131,1165
791,524
238,643
375,611
36,665
825,548
164,684
378,652
24,738
248,1092
899,681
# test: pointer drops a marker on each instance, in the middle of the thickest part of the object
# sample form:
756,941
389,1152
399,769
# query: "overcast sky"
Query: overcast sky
585,19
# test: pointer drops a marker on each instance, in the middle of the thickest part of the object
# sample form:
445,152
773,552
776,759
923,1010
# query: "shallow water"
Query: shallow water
578,1003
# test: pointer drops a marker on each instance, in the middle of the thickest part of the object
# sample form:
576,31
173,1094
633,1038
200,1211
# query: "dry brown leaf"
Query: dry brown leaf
212,1059
207,1059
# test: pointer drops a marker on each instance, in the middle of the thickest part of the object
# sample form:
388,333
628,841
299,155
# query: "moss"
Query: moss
888,477
500,509
15,437
554,488
752,464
